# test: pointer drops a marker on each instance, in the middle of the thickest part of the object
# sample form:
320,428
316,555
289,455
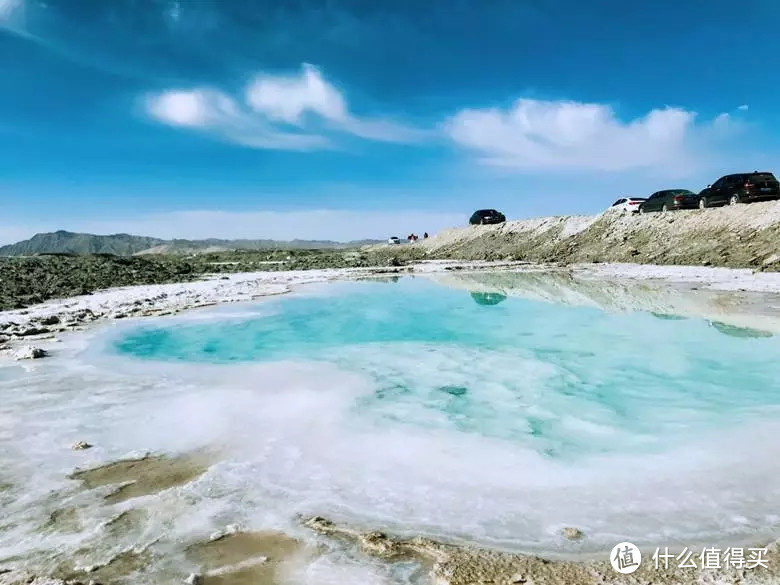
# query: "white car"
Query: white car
394,240
628,204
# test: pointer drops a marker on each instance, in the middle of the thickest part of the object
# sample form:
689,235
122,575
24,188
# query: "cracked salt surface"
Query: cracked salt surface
562,423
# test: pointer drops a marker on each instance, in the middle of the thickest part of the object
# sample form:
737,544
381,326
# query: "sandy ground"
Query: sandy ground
141,477
238,558
230,557
457,565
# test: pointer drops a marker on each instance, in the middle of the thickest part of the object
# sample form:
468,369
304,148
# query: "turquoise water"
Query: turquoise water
563,381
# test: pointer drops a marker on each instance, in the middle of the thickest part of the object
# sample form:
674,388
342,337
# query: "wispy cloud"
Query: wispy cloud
8,8
318,224
289,98
214,112
743,108
538,135
12,17
287,112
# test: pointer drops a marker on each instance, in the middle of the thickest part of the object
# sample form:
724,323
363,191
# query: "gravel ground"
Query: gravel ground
28,281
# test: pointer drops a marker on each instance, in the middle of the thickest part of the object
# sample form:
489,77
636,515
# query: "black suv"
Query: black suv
669,199
740,188
486,216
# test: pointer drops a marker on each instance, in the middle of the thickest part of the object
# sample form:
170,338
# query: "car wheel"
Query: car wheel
703,203
734,199
665,207
641,210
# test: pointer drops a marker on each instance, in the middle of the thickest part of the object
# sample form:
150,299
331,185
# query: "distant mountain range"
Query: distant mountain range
62,242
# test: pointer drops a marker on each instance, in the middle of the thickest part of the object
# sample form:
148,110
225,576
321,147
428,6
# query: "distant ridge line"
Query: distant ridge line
65,242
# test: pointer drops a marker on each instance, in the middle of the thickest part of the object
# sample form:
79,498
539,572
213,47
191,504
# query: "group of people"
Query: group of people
415,237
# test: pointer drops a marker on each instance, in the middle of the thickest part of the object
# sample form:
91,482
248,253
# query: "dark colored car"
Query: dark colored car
740,188
670,199
486,216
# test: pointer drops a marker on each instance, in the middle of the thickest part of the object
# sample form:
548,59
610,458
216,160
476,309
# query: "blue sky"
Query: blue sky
348,119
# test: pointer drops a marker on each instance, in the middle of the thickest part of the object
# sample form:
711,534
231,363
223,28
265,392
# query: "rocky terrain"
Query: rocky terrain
744,236
26,281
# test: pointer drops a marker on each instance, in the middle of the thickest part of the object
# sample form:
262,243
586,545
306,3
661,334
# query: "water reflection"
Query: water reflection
725,328
488,298
744,332
742,314
668,317
391,279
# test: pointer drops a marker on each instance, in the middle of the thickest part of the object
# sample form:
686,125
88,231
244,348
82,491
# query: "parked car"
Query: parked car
628,204
394,240
670,199
740,188
487,216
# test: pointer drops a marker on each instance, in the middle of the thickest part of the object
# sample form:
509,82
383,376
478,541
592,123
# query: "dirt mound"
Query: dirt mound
743,236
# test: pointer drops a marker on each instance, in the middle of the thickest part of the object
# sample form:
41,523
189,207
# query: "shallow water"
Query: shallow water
561,381
415,408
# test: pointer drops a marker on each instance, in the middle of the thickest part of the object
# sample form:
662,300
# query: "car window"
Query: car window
762,177
618,202
719,183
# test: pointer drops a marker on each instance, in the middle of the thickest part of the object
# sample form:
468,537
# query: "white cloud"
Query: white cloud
193,108
743,108
288,98
304,111
539,135
8,8
289,112
315,224
384,130
212,111
13,17
722,120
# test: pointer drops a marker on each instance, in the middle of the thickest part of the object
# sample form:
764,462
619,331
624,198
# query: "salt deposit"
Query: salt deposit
287,442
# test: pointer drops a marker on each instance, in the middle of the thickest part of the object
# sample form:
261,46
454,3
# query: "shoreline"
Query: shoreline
33,331
450,564
22,330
